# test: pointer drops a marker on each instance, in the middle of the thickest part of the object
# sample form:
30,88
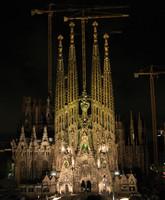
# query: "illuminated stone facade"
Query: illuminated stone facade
88,145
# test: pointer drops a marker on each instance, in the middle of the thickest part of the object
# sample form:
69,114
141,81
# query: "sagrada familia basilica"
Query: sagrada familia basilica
83,146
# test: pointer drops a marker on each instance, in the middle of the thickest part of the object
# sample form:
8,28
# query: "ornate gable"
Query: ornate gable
124,179
22,141
45,142
132,180
33,143
46,181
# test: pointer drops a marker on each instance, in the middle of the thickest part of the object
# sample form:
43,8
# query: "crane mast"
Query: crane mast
50,14
152,74
153,111
50,52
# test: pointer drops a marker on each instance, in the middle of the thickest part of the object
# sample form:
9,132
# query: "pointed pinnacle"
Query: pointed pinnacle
95,24
139,118
34,128
22,128
60,38
45,128
72,25
131,115
106,36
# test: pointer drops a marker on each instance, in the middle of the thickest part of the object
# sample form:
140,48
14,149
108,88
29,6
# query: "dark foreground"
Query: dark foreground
8,191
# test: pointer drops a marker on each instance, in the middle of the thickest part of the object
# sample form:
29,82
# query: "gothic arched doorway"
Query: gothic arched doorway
83,186
66,189
88,186
44,168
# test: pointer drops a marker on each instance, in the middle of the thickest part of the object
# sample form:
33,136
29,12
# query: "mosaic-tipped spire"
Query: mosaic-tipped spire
95,24
72,25
106,37
60,66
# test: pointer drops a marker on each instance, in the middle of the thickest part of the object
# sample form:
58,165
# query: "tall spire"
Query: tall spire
72,68
72,25
108,99
22,135
132,131
140,129
96,69
48,109
60,66
34,136
60,84
45,135
60,98
83,53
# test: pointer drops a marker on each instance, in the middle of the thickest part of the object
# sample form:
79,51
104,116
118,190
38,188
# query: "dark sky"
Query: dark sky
23,62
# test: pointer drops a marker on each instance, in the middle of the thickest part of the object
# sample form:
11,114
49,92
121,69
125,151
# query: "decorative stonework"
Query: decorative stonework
87,148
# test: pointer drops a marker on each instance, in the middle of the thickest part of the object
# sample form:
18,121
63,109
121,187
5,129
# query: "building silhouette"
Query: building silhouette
78,144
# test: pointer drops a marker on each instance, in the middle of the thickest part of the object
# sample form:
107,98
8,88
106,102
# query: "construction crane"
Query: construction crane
152,74
50,11
83,19
5,150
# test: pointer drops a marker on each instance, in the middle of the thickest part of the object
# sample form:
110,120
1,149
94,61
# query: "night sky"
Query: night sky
23,62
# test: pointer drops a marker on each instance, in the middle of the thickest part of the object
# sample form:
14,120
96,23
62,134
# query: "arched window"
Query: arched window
66,164
23,170
85,162
44,167
85,146
33,170
78,137
104,164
